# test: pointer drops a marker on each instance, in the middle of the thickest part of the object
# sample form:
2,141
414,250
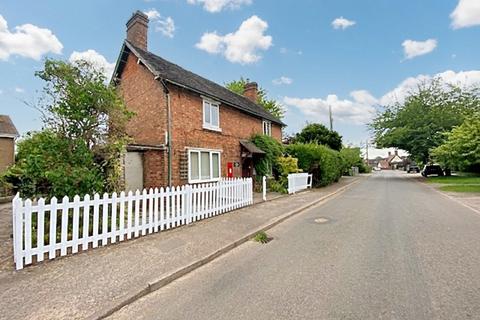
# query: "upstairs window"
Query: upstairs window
267,128
211,115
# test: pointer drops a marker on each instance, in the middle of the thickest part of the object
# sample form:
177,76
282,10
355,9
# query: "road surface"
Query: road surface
392,248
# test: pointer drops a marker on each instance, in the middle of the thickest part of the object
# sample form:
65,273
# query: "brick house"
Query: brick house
187,129
8,134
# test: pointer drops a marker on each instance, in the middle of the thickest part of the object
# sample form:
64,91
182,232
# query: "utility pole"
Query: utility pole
367,149
331,118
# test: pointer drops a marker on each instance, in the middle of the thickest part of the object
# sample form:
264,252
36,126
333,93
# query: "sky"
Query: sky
355,56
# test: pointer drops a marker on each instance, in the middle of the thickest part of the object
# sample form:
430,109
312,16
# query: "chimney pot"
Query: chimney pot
137,30
251,91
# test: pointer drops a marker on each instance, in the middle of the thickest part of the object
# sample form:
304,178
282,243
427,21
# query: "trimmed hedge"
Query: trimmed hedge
325,164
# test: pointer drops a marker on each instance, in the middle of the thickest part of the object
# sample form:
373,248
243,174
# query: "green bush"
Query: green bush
273,149
325,164
353,158
277,186
50,165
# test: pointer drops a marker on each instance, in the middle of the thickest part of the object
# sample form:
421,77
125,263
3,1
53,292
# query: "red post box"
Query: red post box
230,169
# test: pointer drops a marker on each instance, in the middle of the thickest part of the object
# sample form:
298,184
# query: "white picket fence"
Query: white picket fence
72,226
298,182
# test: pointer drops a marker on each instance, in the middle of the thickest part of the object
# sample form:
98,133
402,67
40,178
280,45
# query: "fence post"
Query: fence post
188,203
264,188
17,213
291,188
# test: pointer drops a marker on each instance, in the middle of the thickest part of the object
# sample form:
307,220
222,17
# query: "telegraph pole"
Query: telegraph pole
331,118
367,149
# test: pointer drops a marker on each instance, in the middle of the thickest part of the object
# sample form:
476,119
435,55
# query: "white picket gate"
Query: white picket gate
298,182
70,226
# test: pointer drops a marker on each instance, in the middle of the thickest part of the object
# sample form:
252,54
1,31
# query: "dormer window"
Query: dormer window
267,128
211,115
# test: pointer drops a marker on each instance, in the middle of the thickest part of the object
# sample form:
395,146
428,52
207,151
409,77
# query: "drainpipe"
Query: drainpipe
169,129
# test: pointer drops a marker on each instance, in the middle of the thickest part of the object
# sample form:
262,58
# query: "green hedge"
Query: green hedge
325,164
273,149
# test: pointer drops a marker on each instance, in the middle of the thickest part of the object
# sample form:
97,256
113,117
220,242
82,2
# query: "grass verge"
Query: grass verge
461,188
461,180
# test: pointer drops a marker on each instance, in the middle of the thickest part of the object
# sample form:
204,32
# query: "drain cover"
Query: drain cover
321,220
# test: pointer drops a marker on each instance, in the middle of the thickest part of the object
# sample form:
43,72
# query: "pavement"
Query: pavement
6,240
94,283
389,247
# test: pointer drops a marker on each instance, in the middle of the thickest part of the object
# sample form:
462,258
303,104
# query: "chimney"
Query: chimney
389,153
137,29
251,91
396,152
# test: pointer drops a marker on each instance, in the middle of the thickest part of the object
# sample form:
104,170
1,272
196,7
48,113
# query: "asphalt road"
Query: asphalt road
392,249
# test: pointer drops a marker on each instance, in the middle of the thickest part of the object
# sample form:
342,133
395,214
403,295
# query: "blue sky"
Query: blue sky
352,55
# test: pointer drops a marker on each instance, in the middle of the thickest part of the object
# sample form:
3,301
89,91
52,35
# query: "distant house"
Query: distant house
8,134
186,129
392,162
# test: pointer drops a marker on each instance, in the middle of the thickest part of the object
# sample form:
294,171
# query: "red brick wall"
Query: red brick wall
7,155
145,97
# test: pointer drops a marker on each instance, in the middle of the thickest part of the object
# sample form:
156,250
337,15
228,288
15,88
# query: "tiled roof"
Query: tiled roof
176,75
6,127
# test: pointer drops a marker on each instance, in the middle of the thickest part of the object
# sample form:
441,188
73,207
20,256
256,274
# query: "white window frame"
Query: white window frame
210,157
267,128
211,104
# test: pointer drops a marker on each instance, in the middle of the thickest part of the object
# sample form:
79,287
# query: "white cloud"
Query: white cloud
241,46
411,84
466,14
282,80
19,90
27,41
165,25
358,110
152,14
342,23
219,5
284,50
362,106
414,49
96,59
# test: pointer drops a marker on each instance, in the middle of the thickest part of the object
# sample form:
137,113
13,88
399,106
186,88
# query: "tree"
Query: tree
271,105
353,158
461,149
84,134
318,133
421,122
50,165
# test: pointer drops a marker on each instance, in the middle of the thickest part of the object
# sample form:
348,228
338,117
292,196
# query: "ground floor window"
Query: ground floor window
203,165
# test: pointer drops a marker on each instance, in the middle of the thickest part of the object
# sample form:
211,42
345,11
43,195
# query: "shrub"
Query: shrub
50,165
267,164
277,186
352,158
325,164
285,166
